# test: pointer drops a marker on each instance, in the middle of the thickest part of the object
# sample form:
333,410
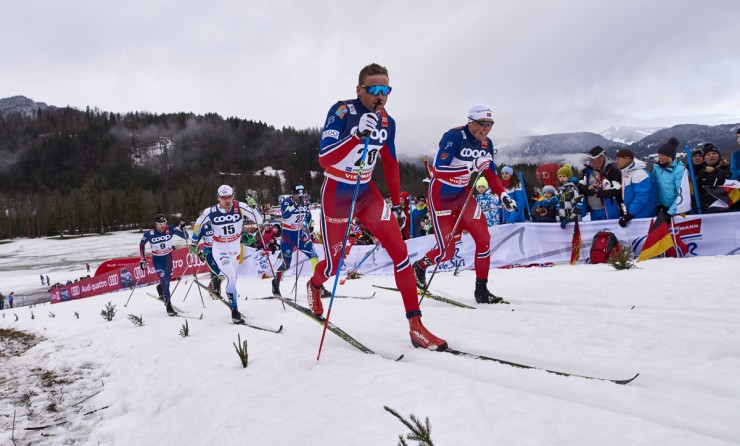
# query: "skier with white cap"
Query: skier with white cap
227,220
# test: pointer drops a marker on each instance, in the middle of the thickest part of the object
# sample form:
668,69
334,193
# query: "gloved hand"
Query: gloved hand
193,249
251,202
577,210
202,256
367,124
310,229
142,264
400,215
564,222
624,219
509,204
182,226
481,163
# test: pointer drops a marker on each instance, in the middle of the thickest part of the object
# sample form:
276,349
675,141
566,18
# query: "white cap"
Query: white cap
480,111
224,190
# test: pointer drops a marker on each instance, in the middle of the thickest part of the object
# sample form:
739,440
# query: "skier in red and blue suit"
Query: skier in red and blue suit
160,240
462,151
347,125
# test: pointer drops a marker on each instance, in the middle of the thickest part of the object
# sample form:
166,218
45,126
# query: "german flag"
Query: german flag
575,244
725,195
658,241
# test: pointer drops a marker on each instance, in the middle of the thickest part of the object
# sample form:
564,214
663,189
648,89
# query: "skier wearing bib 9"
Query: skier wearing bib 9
160,240
351,126
227,220
462,151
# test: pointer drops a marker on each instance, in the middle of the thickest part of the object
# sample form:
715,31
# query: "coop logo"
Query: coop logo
112,280
377,135
472,153
163,238
227,218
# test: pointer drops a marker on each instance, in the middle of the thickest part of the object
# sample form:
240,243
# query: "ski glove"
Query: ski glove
400,215
509,204
624,219
367,124
251,202
182,226
193,250
142,264
481,163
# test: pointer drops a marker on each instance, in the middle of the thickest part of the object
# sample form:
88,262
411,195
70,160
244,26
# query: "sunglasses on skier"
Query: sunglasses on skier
483,123
376,90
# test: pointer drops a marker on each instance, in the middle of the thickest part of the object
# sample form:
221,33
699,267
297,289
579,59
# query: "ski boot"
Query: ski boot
276,287
420,273
215,286
324,292
422,338
236,317
160,293
170,311
483,296
314,298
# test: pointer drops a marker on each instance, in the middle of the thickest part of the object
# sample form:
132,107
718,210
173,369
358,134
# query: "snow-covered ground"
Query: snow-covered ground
89,381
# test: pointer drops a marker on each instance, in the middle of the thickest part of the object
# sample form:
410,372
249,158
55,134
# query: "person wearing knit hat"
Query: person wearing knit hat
638,193
716,170
545,209
601,184
565,173
488,203
463,152
671,181
668,150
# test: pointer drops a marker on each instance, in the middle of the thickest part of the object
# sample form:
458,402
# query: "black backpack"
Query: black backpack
604,244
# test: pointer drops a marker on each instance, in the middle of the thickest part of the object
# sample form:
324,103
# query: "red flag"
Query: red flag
575,244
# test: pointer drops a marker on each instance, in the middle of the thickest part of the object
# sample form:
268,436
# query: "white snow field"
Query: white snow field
89,381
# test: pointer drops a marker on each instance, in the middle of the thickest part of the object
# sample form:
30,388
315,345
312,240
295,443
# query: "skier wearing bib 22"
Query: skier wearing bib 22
347,126
227,220
462,151
295,234
160,240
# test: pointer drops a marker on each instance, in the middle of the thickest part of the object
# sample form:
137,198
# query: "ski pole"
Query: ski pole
269,261
452,237
346,236
341,282
178,282
132,291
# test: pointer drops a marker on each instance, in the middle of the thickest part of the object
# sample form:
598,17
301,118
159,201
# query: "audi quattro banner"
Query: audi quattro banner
126,277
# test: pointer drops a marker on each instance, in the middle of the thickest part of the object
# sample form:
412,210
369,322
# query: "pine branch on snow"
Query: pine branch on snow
419,432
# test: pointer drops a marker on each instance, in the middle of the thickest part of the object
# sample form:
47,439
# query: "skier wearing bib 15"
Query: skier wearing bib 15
295,234
350,124
462,151
160,240
227,220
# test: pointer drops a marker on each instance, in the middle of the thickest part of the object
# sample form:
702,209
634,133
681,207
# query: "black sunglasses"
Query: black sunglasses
483,123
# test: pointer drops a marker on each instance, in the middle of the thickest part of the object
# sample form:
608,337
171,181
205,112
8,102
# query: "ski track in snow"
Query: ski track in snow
673,321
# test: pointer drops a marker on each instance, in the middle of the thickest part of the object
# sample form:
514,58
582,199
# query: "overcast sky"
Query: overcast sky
544,66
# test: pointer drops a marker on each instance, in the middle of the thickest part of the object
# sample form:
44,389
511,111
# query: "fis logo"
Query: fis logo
335,249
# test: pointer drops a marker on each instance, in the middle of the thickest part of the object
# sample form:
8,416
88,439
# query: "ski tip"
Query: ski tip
625,381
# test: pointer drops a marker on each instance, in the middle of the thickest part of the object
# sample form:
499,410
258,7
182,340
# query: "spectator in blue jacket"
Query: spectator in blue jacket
671,181
637,188
418,213
488,203
515,192
545,209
